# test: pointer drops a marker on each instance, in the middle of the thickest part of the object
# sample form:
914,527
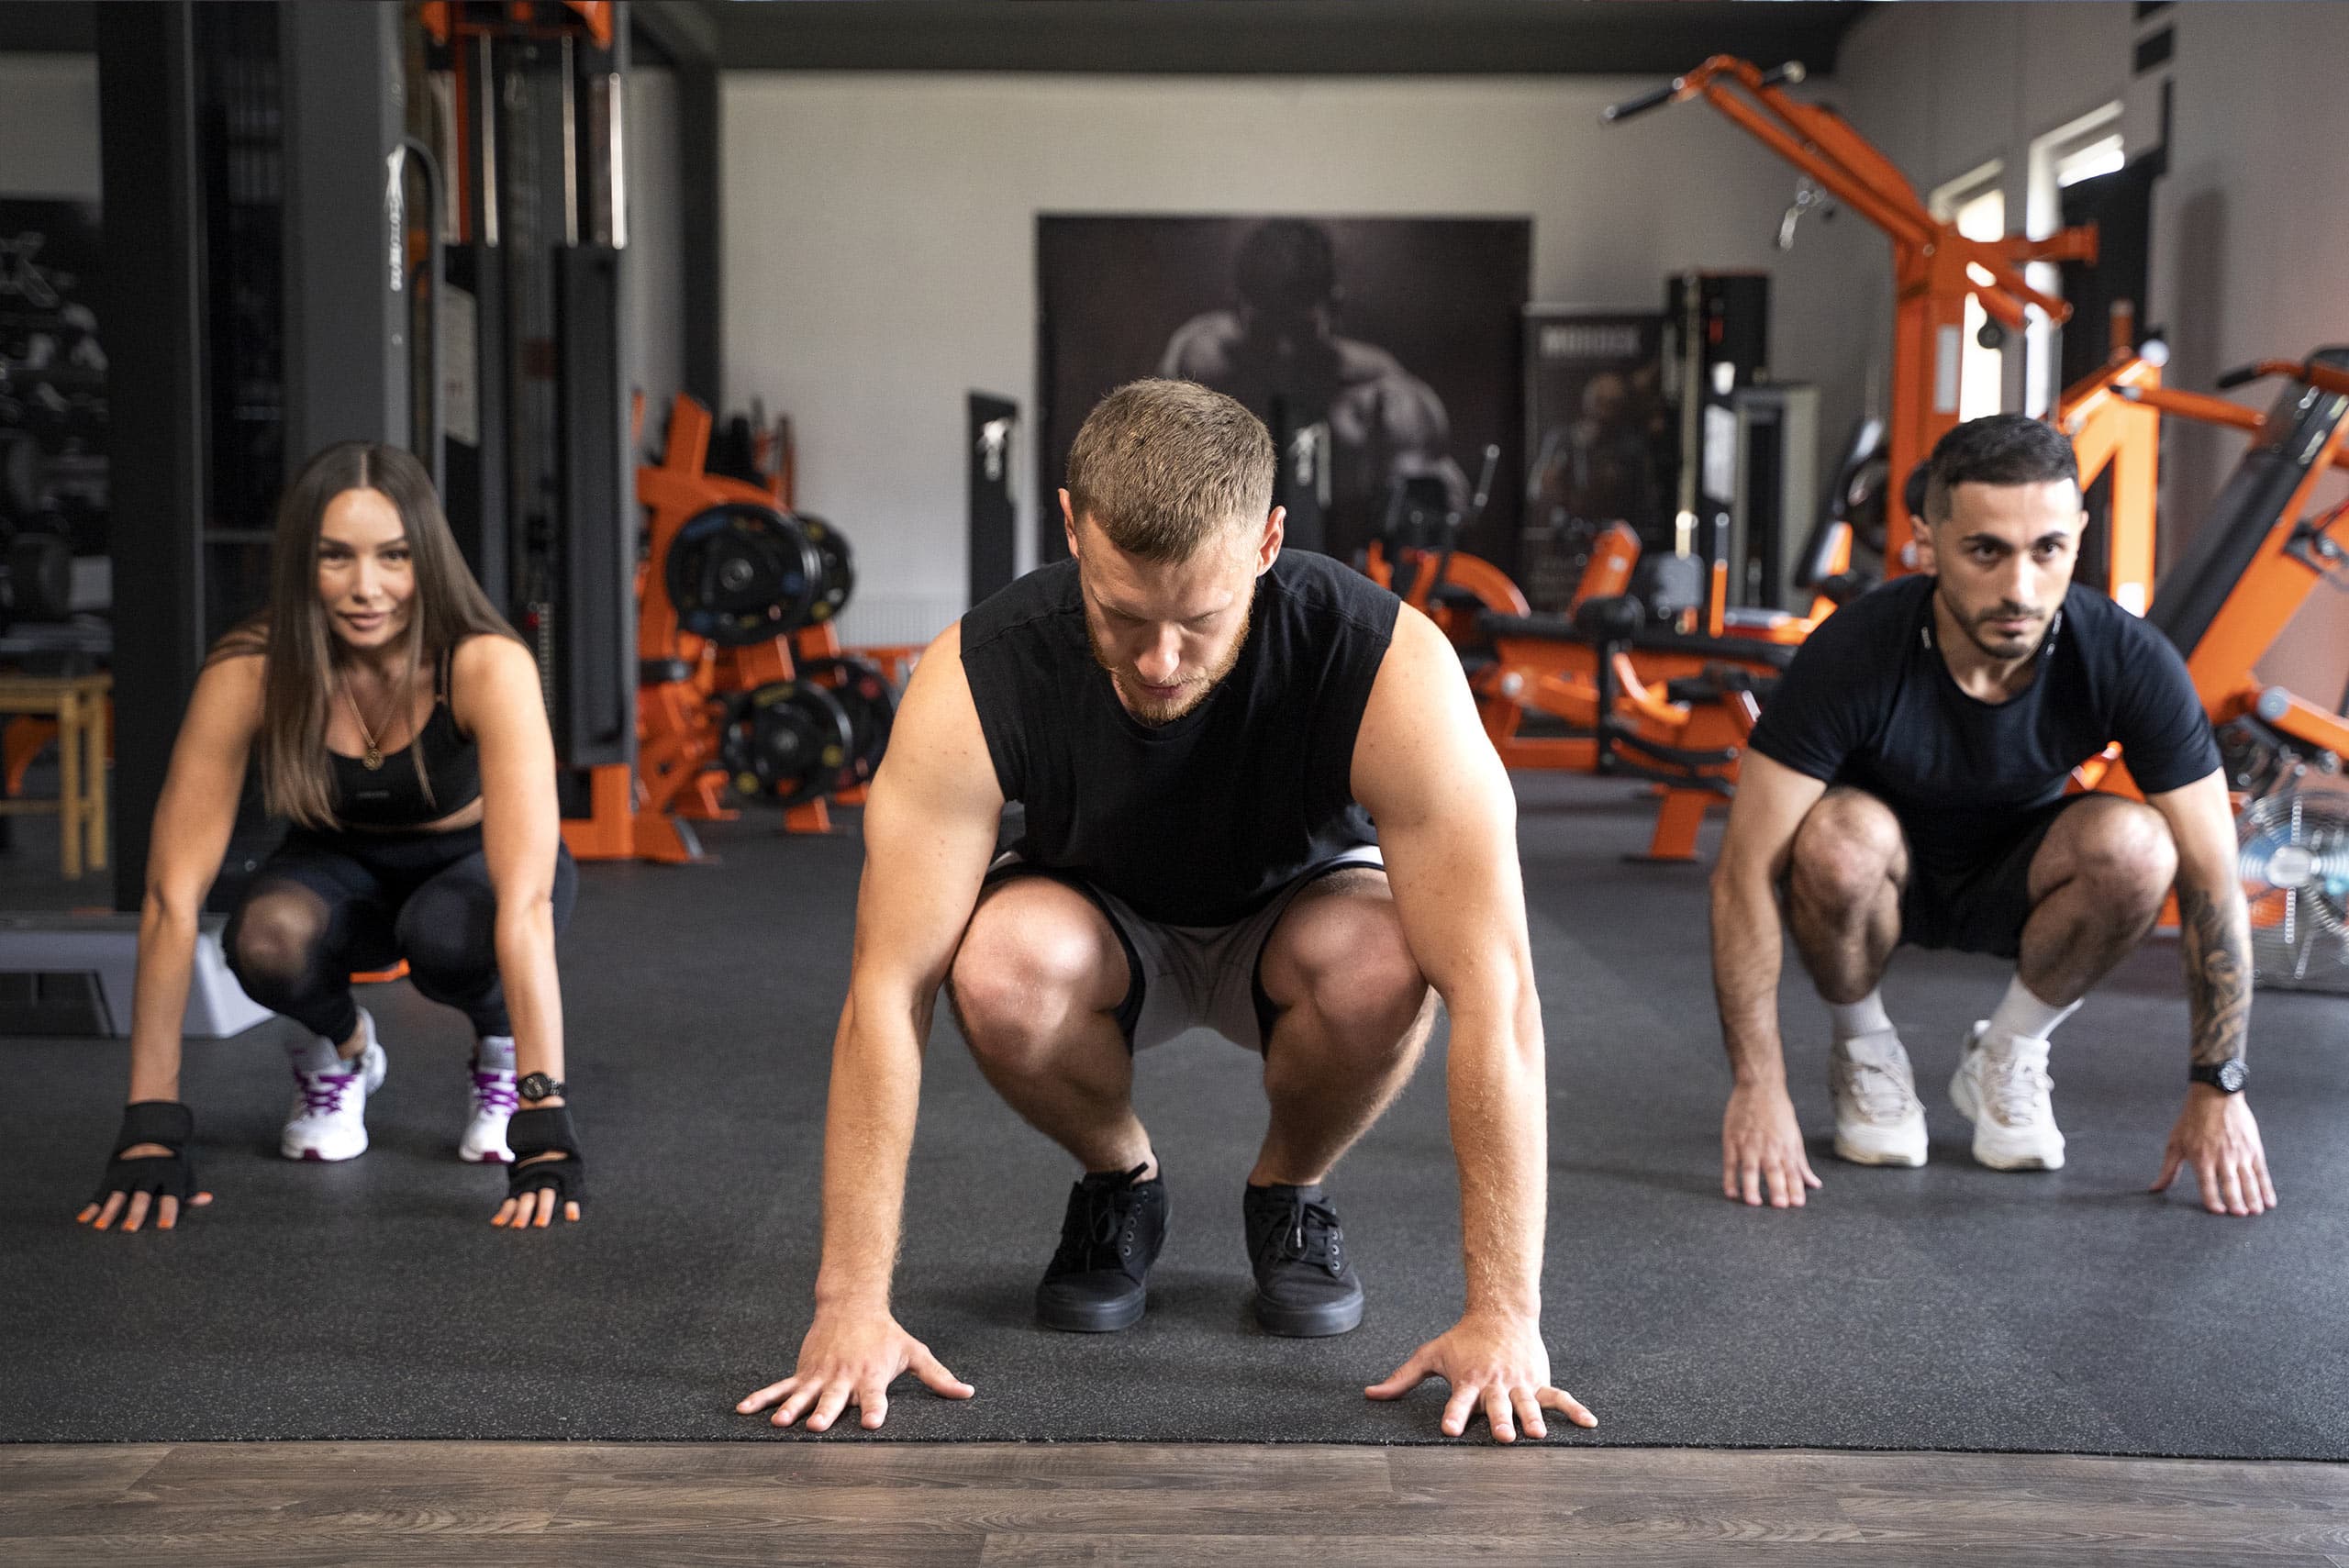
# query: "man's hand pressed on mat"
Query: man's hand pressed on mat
1908,783
1200,730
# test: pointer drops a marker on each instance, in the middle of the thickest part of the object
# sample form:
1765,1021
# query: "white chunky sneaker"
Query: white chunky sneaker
329,1119
2002,1087
494,1102
1878,1118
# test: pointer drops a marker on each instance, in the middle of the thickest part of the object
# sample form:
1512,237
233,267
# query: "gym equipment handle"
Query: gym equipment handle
436,435
2307,372
1783,75
1656,99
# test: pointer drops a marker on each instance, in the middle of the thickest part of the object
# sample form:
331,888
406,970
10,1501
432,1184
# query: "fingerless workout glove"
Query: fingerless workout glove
545,1131
166,1122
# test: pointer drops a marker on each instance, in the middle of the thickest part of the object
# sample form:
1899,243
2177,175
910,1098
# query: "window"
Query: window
2102,156
2081,149
1976,203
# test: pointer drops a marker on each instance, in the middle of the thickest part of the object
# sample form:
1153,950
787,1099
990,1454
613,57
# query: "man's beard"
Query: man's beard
1976,623
1155,711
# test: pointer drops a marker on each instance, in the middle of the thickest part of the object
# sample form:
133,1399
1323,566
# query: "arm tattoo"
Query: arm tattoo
2216,936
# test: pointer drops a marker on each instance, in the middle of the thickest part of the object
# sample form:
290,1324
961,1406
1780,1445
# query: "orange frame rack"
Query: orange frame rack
1935,269
2295,551
2114,418
645,812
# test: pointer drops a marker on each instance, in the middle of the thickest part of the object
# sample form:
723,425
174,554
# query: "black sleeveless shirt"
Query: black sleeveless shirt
1199,821
390,796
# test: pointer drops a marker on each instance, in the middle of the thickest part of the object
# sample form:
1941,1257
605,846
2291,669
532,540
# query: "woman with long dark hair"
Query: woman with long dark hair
398,725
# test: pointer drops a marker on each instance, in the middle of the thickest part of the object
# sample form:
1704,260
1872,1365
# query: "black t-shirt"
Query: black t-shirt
1869,702
1196,822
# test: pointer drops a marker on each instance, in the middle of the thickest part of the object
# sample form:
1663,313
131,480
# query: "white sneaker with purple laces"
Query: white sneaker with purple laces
495,1103
329,1119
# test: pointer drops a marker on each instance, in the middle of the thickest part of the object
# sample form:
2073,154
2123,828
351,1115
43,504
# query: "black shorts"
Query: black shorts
1976,901
366,879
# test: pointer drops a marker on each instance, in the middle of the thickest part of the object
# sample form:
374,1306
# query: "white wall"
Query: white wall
879,251
655,348
2251,227
49,125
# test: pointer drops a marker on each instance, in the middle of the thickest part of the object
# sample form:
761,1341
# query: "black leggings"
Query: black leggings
327,904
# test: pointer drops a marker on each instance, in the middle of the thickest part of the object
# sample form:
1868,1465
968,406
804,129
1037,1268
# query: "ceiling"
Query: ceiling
1268,37
1205,36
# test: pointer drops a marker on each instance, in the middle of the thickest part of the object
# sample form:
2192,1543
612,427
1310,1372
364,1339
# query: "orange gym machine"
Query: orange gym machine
1451,587
2235,587
444,19
1935,267
2251,564
1636,702
1415,554
1676,709
1622,694
2114,418
741,679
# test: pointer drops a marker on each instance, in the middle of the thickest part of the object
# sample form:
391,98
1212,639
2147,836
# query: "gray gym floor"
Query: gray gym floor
1949,1308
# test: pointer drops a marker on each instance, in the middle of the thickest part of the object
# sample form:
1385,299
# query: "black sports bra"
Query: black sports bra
390,796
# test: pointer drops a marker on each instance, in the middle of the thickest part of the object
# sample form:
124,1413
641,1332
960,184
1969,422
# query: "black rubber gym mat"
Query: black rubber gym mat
1947,1307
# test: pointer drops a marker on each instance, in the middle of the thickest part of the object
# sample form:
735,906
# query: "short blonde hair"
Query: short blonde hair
1162,466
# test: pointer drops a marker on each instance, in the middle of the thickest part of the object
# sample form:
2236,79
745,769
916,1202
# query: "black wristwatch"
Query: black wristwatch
538,1086
2227,1077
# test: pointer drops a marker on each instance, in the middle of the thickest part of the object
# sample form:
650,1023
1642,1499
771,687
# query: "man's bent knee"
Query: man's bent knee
2123,856
1847,848
1346,960
1373,1003
1030,968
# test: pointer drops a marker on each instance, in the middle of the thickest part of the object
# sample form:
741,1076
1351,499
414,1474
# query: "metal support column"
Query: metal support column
154,310
347,310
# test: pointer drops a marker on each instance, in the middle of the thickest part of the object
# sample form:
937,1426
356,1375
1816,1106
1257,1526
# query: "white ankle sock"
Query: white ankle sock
1866,1016
2022,1014
495,1053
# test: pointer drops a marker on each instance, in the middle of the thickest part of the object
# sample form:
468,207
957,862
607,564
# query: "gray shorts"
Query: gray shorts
1192,976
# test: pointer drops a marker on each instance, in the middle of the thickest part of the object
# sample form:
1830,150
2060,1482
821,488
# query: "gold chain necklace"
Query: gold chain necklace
373,758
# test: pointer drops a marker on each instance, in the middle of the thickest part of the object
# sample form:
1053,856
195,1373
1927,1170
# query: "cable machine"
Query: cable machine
1935,269
523,106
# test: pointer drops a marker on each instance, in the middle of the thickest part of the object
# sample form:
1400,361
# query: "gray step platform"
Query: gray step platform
73,975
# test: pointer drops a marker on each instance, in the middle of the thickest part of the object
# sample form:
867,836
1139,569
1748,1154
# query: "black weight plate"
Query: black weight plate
739,573
785,741
839,577
872,705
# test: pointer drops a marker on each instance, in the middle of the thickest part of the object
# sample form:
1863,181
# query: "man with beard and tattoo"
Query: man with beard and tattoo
1201,729
1907,784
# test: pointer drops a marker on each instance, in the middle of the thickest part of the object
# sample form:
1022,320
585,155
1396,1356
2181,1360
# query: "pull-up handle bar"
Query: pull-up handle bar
1823,145
1789,73
2324,378
2234,416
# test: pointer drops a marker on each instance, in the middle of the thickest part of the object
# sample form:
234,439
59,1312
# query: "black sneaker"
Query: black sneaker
1109,1238
1304,1287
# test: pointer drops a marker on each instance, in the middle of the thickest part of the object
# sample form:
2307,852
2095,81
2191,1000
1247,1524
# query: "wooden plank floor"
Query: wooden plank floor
1006,1505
